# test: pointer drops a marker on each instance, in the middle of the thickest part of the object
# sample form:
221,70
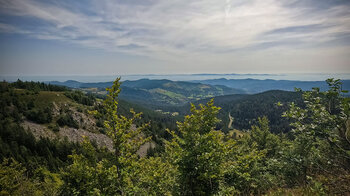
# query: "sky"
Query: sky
97,37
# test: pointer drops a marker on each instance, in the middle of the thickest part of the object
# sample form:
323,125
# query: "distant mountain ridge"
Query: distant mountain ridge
157,92
77,84
256,86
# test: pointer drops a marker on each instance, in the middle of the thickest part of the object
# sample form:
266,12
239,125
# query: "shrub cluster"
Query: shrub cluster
67,119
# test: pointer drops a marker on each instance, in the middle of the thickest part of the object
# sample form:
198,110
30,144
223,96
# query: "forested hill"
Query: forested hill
246,109
169,97
37,110
157,92
257,86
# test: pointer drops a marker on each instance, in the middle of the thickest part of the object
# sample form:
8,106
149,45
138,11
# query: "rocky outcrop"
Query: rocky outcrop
77,135
72,134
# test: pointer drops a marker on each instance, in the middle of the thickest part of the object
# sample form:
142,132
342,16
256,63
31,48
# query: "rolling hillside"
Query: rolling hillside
169,96
60,113
157,92
245,109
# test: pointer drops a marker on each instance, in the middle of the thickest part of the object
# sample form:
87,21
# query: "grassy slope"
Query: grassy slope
43,98
47,99
166,93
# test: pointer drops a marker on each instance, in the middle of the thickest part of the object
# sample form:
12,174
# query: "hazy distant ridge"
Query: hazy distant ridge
257,86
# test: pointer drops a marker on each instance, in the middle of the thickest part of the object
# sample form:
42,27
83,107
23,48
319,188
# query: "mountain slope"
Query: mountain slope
52,113
245,109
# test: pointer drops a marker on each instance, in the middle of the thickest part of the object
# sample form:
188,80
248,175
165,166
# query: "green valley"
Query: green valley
154,93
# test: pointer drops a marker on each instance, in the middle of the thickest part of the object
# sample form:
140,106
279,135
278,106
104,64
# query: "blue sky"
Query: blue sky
43,37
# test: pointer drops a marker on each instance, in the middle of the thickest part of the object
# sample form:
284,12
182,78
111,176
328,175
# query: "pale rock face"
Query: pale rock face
72,134
87,128
77,135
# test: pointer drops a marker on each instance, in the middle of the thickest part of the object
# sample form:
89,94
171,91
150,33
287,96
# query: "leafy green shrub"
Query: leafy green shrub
67,119
14,180
54,127
319,131
39,115
80,97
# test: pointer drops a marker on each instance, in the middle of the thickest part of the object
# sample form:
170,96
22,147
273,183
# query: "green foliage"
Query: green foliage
210,162
67,119
50,183
21,145
319,130
158,123
247,109
34,101
198,152
37,86
154,176
263,138
54,127
244,170
250,165
40,115
81,98
126,139
14,180
87,176
12,177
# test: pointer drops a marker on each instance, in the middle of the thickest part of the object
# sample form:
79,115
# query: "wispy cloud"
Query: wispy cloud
177,28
